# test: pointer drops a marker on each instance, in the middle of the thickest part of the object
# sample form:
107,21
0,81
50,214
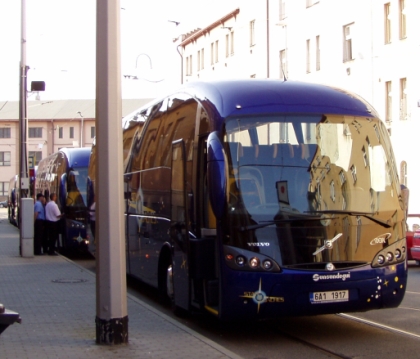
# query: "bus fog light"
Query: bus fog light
398,254
267,264
240,260
254,262
389,257
381,259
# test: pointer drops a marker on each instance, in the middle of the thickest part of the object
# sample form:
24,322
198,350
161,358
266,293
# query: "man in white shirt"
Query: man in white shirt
52,215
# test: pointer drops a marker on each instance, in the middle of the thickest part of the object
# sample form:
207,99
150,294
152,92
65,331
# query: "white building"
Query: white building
370,47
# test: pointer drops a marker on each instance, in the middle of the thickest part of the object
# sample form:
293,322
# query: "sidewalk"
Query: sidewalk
56,301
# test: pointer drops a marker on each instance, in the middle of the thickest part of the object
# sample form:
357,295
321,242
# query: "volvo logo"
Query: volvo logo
382,239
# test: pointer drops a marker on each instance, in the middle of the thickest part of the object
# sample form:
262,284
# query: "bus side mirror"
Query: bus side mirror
405,195
216,174
63,190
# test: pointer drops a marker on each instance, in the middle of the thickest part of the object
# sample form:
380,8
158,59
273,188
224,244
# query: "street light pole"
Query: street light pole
26,207
23,118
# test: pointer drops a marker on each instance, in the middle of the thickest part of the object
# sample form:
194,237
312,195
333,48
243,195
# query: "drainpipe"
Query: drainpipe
182,64
81,116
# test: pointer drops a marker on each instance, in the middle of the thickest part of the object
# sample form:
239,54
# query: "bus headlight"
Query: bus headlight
381,259
254,262
244,260
392,254
240,260
267,264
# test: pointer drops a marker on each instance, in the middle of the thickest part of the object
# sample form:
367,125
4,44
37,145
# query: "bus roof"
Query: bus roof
77,157
246,97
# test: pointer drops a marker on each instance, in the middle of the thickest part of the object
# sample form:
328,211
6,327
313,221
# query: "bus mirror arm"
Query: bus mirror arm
216,175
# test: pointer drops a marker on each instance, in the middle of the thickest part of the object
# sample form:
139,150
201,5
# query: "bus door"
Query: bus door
180,226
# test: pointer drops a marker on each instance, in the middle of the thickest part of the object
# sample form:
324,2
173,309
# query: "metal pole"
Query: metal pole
26,242
111,286
23,164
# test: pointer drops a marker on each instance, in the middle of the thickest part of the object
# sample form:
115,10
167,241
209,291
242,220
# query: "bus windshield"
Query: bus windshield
297,180
76,188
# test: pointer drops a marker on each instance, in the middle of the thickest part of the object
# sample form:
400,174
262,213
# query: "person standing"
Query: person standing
39,224
53,215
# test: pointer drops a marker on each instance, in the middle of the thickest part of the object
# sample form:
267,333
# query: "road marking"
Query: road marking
411,308
378,325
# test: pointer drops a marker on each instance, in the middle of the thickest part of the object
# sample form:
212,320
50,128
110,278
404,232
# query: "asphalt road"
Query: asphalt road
387,333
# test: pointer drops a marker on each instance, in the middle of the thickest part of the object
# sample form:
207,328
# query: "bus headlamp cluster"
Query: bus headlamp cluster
395,253
240,259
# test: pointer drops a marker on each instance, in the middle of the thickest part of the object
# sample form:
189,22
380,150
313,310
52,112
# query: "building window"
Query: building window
92,132
198,60
308,56
202,59
403,173
403,23
35,132
71,132
403,99
282,9
388,101
232,43
5,158
252,33
4,188
5,133
36,155
60,132
387,21
214,52
318,53
283,65
188,67
347,43
227,45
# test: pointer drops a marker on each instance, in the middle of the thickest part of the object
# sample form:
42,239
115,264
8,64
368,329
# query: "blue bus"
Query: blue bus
65,173
257,199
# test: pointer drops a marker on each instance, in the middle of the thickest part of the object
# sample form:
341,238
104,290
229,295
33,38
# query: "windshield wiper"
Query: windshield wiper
263,224
354,213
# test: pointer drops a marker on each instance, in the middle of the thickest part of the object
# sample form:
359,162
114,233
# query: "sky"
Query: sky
61,36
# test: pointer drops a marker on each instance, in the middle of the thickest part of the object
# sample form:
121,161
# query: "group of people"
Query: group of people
46,226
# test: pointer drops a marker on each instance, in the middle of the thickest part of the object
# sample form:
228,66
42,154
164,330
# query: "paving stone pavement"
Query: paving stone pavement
56,301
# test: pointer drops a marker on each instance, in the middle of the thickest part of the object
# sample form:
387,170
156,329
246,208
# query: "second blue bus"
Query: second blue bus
65,173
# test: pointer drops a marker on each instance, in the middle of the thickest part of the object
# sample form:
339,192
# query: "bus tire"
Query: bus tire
166,284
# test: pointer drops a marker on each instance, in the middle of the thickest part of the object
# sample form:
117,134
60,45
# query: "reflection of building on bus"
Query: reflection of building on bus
65,173
259,199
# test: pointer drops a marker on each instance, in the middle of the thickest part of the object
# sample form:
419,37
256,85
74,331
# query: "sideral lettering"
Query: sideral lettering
343,276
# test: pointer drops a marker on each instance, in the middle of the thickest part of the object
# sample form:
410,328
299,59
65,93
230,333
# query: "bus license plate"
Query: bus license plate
329,297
